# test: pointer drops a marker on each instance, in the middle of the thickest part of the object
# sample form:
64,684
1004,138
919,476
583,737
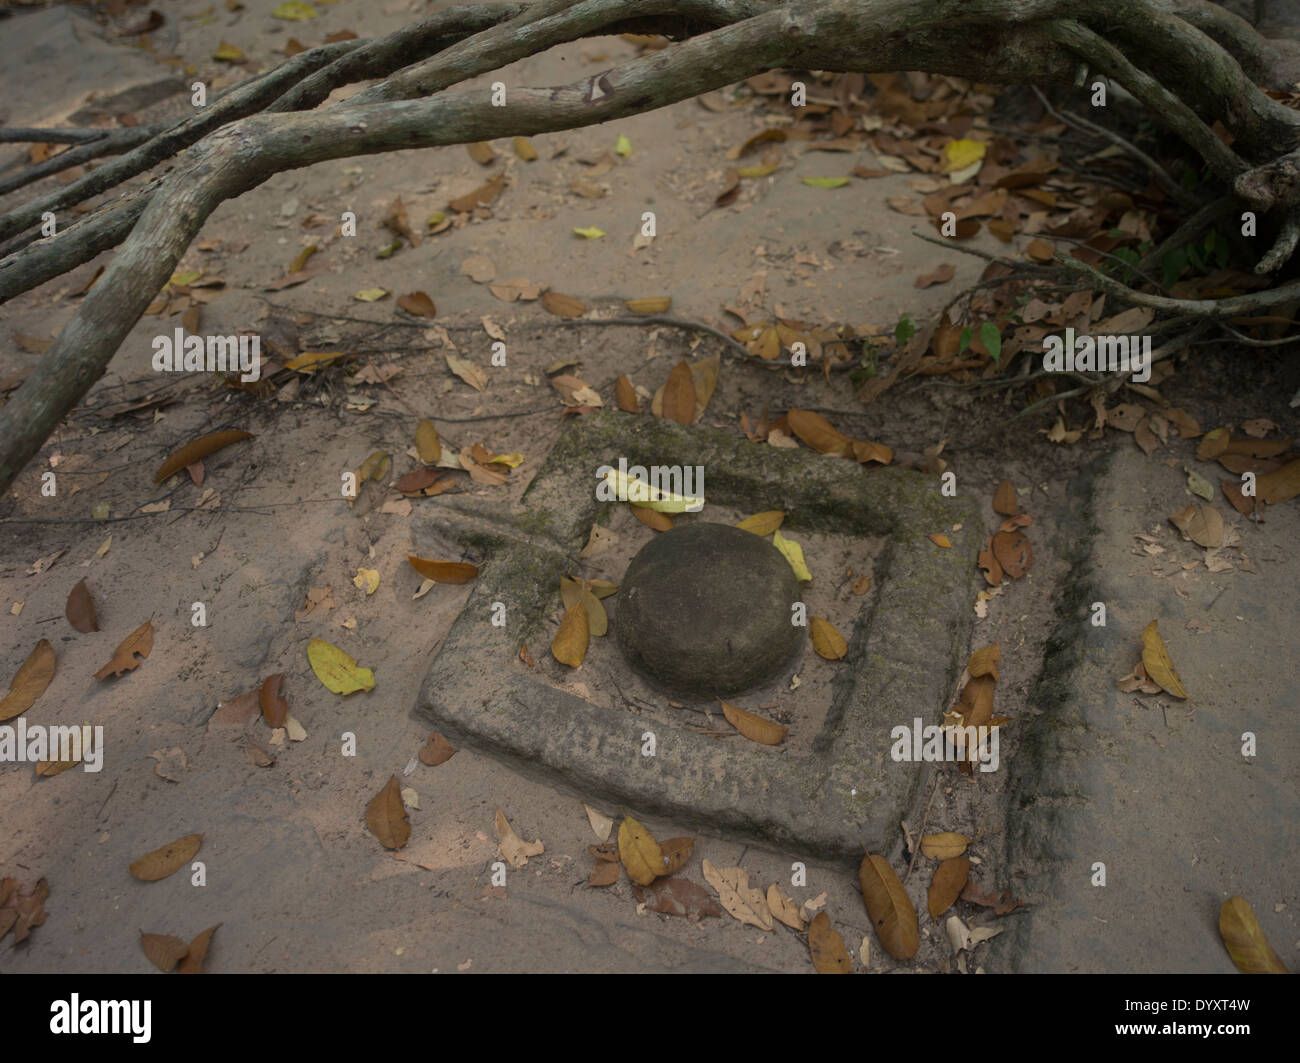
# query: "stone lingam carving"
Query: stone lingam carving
705,609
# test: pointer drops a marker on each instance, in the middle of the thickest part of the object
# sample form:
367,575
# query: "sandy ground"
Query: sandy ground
292,874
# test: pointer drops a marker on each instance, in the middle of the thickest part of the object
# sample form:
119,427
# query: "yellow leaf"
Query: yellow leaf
939,539
337,670
755,728
375,467
642,858
826,639
622,146
764,523
1155,659
310,361
742,901
651,305
293,11
370,295
944,846
571,640
427,443
591,233
958,154
1244,939
826,182
228,53
629,489
793,553
525,150
366,579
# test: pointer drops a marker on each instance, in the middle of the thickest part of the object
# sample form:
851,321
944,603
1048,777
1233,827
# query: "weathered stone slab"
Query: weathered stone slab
906,648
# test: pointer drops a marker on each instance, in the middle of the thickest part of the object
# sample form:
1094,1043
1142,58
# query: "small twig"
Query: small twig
920,831
1161,173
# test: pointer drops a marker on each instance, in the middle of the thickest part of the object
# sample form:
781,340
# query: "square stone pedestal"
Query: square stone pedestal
907,646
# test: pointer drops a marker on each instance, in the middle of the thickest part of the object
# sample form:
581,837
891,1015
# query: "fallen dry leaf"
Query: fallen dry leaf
436,750
640,854
742,902
386,816
140,641
753,727
829,955
892,914
1244,939
165,861
1155,659
513,848
29,682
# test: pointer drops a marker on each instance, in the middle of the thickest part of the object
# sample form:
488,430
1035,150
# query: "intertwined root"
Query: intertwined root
1186,60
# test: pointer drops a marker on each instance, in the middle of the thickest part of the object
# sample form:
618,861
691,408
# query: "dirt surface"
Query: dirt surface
293,875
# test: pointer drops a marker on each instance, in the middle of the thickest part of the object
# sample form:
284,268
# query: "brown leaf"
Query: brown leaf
676,851
1212,444
417,480
275,706
1001,902
755,728
892,914
1245,941
988,563
386,816
571,640
675,896
29,682
192,962
940,539
198,449
480,197
817,432
679,395
1202,524
163,950
984,661
436,750
1013,552
605,873
139,641
165,861
941,274
742,902
829,956
625,396
443,571
563,305
1279,485
417,303
948,882
1004,501
1233,493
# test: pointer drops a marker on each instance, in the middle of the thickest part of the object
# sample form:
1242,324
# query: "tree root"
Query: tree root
1182,58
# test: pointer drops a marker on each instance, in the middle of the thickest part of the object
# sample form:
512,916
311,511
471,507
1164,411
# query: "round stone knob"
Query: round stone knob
704,609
